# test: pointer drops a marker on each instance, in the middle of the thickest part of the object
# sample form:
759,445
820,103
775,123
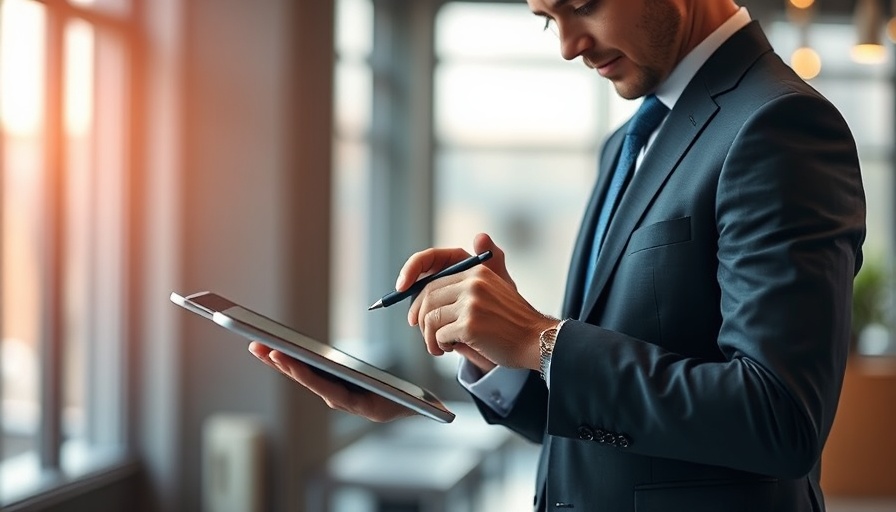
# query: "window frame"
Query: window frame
115,460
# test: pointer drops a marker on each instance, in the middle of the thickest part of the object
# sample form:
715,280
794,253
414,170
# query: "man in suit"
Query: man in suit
698,361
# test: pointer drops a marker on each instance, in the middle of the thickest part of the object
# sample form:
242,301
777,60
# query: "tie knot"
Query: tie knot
648,117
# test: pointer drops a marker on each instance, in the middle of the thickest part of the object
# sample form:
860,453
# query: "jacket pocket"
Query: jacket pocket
661,233
755,496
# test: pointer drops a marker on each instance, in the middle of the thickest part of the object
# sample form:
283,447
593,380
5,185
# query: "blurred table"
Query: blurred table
417,464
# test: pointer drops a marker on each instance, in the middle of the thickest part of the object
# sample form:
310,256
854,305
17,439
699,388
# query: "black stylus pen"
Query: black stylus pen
393,297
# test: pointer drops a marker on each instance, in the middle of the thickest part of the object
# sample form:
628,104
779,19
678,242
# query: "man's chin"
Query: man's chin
635,86
628,91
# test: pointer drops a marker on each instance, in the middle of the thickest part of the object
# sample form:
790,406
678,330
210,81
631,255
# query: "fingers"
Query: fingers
443,313
262,352
439,330
446,310
337,394
334,393
258,350
427,262
274,359
483,242
430,261
436,310
441,292
482,362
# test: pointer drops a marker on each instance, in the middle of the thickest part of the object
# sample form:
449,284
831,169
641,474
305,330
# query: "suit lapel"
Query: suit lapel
572,302
693,111
675,138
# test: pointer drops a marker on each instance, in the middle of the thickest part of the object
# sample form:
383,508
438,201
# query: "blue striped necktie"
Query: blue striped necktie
645,121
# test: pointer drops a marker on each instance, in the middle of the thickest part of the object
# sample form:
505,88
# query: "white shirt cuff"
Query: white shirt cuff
498,388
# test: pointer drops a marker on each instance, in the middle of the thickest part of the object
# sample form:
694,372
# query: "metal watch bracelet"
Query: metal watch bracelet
546,341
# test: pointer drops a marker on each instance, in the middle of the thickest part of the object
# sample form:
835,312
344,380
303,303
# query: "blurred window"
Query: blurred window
64,139
351,185
351,181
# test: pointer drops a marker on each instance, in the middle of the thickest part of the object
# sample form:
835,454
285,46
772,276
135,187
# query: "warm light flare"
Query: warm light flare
806,62
868,21
21,66
869,53
79,53
802,4
891,30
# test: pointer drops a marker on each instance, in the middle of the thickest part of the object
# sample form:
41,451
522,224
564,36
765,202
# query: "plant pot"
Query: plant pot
860,455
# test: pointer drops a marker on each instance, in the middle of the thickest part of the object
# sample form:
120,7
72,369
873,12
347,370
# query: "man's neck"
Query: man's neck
705,17
672,87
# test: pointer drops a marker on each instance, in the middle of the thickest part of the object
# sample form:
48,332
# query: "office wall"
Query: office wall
238,203
252,211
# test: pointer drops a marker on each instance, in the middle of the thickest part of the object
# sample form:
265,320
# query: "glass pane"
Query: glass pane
111,6
354,28
350,207
353,96
21,64
489,103
108,254
22,78
79,124
493,32
877,175
351,156
96,138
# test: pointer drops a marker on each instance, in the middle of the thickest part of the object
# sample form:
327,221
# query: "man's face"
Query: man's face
633,43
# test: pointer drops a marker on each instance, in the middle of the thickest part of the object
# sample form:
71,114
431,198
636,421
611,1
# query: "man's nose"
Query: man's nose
573,41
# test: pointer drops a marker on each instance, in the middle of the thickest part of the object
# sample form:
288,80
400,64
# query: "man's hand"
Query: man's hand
477,313
336,393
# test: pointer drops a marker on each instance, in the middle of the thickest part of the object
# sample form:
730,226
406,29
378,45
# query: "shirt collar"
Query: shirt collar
670,90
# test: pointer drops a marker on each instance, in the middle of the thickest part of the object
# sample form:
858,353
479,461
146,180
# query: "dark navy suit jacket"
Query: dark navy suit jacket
702,369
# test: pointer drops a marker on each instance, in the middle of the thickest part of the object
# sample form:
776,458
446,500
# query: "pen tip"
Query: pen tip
376,305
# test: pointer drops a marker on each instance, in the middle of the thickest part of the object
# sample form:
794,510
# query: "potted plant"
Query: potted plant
870,309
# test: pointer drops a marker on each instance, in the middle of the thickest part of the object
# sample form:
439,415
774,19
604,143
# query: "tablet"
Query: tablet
325,358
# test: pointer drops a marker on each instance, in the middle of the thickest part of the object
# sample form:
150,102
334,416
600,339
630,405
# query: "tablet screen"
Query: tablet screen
254,326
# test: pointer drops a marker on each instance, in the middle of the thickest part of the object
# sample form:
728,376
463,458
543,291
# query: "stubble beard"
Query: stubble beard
661,22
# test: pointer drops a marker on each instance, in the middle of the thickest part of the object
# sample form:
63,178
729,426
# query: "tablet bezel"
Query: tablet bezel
254,326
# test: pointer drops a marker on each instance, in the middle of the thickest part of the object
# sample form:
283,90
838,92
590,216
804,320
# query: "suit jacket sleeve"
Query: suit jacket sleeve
760,391
528,416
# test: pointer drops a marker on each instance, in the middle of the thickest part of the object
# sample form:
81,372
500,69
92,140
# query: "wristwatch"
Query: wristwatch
546,341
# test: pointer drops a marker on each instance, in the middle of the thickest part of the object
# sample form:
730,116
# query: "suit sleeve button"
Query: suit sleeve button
584,433
622,441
